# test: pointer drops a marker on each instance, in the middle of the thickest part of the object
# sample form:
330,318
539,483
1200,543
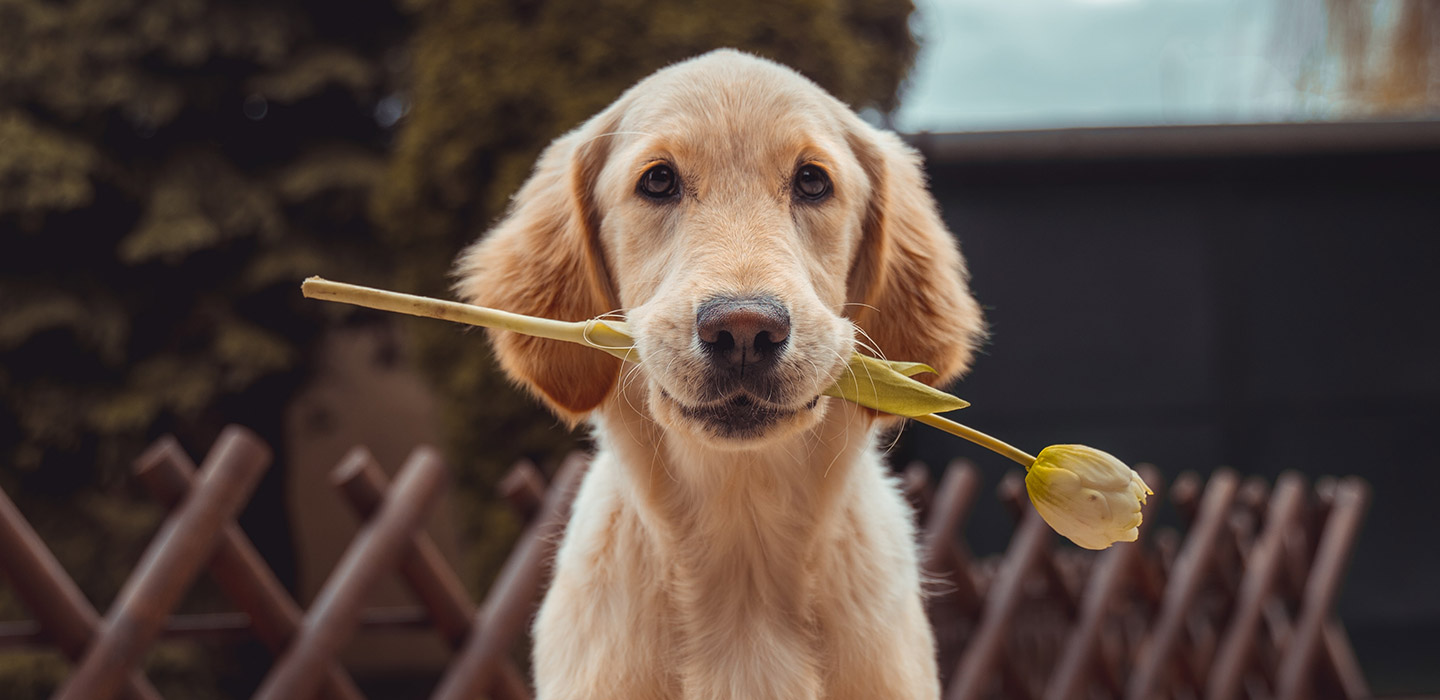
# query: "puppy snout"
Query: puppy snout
742,333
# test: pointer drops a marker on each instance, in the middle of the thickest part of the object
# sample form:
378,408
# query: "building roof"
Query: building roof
1179,142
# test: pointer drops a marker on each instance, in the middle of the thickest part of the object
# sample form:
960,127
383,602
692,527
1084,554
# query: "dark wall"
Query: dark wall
1216,306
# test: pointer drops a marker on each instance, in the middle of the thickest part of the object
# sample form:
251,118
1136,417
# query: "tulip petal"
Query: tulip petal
1087,495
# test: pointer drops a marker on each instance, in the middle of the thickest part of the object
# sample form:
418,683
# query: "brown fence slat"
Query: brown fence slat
987,648
1336,541
375,551
957,602
1082,647
424,569
64,614
512,597
1338,665
1349,678
1195,559
422,565
239,570
524,488
170,565
915,487
1115,568
939,554
1262,575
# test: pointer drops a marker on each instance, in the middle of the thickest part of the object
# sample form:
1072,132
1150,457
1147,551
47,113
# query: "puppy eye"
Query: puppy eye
812,183
659,182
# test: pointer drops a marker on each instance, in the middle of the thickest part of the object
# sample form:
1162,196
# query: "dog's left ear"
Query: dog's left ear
909,278
544,259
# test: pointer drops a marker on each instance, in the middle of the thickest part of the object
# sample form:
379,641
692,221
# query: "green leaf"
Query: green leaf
887,386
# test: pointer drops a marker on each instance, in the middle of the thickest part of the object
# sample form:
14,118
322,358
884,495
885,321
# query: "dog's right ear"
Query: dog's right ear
544,259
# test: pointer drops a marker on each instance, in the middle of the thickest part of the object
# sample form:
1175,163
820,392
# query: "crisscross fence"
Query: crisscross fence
1237,604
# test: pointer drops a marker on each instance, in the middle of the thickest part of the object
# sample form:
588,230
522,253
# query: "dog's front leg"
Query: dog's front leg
601,632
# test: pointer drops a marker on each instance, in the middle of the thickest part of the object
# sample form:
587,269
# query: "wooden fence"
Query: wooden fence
1238,606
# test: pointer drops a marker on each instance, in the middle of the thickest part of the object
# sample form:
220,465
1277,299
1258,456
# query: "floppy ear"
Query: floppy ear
908,276
544,259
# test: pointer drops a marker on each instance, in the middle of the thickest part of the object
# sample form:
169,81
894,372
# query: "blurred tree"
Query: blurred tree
494,81
169,170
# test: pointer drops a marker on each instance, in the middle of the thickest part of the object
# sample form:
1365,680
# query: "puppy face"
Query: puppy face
733,209
751,228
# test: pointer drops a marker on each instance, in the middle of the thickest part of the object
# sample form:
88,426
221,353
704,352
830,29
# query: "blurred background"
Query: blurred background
1204,232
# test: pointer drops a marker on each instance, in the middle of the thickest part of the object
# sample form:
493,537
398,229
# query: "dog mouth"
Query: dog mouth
740,415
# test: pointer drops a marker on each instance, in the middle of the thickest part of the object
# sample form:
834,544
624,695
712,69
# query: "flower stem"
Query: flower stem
979,438
601,335
317,288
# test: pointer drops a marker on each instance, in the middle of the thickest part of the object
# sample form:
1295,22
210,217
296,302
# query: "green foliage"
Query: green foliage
176,670
42,169
169,170
32,675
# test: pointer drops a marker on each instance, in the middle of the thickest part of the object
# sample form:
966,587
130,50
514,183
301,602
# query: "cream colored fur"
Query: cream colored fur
698,566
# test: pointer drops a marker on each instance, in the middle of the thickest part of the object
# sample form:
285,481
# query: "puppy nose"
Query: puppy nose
742,332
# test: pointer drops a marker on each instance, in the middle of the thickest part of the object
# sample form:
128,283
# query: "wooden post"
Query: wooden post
424,569
375,551
239,570
51,596
169,565
512,597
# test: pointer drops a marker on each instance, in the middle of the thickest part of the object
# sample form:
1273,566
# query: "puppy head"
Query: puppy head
751,228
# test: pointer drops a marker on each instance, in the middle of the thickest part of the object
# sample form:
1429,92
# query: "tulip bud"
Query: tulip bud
1087,495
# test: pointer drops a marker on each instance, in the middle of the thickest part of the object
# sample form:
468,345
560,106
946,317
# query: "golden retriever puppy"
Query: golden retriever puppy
736,535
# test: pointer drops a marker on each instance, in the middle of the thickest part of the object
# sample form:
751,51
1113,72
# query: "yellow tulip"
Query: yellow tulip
1087,495
1083,493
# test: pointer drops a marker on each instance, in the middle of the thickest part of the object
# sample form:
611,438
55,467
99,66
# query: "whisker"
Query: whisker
870,343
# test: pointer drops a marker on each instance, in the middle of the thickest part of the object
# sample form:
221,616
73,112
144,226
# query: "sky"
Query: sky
1019,64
